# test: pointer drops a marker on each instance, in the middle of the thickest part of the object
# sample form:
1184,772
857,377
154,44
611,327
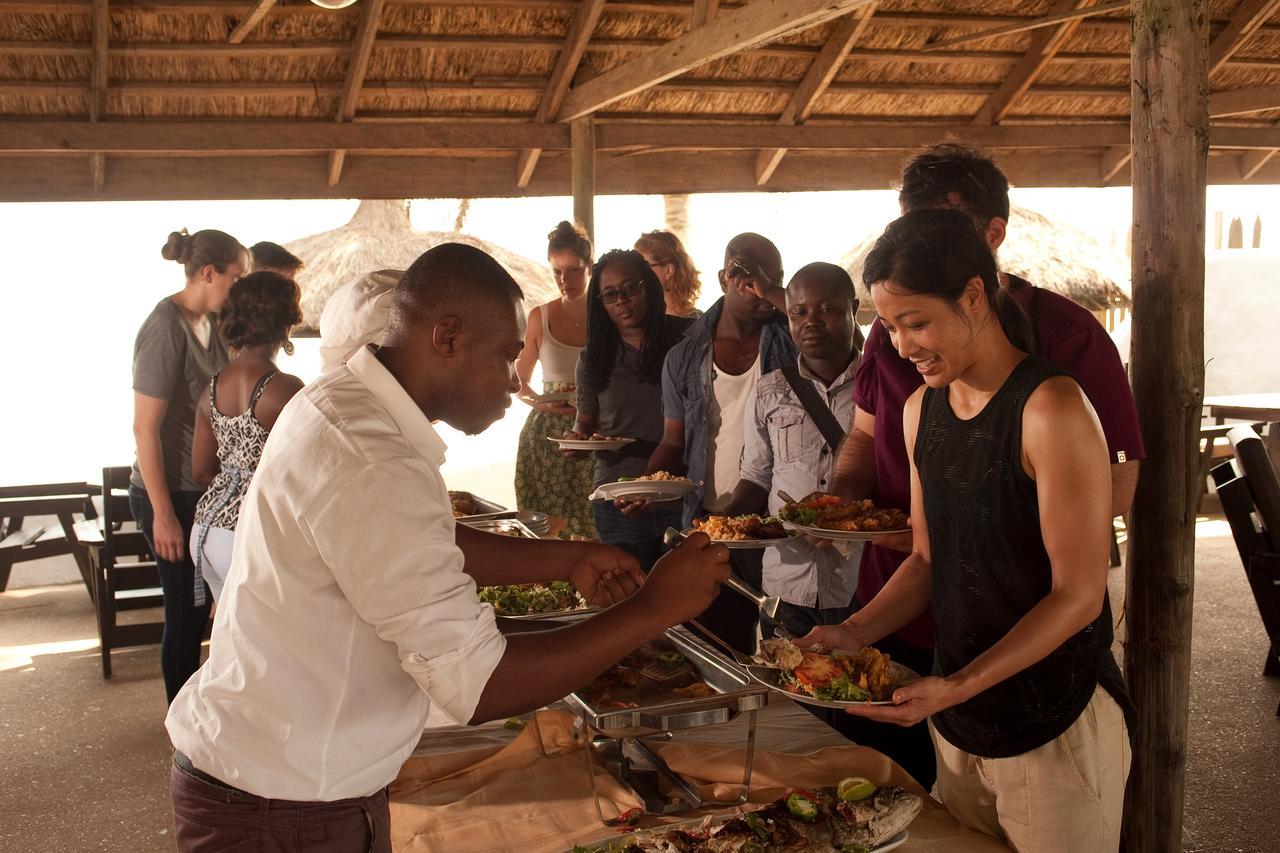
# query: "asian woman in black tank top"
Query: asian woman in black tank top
1010,508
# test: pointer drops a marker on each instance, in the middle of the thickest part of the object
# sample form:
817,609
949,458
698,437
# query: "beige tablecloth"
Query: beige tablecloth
488,789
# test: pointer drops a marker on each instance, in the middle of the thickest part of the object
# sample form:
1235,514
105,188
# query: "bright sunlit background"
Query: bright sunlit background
81,277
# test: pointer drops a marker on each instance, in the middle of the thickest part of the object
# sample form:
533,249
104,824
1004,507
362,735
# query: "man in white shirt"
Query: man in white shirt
785,449
350,609
355,315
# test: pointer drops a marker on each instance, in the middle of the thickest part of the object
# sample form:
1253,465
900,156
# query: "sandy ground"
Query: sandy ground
85,761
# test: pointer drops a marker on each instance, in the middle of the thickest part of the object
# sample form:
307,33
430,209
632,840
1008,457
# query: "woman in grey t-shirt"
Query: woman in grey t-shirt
176,353
619,380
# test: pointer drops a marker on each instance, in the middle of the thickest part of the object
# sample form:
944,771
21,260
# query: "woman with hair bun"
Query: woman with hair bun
555,336
234,418
665,255
176,353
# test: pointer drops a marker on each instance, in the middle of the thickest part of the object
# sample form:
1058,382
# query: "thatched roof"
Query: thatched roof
1054,256
293,85
381,236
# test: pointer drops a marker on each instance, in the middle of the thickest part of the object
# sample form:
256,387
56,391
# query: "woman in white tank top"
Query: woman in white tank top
556,334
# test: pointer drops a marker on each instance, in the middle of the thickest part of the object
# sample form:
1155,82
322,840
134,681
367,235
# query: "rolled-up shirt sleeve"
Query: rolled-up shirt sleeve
672,389
757,450
419,597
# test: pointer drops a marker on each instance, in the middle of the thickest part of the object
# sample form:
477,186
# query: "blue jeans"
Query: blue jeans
183,621
639,535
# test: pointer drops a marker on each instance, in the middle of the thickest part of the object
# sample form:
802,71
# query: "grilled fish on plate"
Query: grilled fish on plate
816,821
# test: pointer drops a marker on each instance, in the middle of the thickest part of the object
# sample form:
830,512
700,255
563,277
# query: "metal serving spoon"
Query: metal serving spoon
768,604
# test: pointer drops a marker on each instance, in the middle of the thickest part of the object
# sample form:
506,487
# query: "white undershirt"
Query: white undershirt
724,420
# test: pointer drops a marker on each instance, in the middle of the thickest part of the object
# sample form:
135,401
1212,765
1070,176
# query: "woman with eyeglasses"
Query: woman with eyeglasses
619,379
665,255
557,331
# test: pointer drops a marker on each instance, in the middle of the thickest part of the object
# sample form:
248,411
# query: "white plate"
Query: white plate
749,544
654,490
843,535
772,678
588,444
555,397
697,823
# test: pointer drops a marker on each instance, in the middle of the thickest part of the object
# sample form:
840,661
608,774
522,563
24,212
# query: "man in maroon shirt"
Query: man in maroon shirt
873,461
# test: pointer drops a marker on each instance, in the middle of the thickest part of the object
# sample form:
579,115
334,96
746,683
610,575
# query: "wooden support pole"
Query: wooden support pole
582,153
704,11
1170,141
98,87
357,67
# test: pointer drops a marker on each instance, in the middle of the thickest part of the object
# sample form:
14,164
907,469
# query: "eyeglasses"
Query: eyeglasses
745,270
656,264
628,290
569,271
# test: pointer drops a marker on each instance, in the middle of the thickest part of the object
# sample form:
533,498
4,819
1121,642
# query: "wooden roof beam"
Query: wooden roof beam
1247,18
98,87
1234,102
1251,162
750,26
704,11
61,137
817,79
1063,15
1045,43
575,46
357,67
249,21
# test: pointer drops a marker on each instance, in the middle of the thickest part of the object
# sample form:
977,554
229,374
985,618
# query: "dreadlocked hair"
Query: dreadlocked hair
603,339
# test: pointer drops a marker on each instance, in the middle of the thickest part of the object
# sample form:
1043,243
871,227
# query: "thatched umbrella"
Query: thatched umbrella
1054,256
380,236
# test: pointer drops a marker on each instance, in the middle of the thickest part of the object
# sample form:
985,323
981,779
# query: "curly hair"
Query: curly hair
260,309
201,249
569,237
666,248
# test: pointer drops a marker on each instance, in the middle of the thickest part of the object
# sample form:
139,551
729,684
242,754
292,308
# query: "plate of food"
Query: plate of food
596,441
743,531
533,599
855,816
658,486
829,679
831,517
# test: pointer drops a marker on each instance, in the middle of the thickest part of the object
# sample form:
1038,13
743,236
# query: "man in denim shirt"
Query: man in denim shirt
742,336
784,448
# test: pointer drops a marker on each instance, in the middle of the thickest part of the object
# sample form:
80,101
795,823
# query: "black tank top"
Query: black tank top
990,567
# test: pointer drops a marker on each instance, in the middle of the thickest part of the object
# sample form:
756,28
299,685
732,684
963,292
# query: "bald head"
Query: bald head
451,279
823,278
757,248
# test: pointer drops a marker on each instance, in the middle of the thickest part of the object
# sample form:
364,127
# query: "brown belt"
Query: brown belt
184,764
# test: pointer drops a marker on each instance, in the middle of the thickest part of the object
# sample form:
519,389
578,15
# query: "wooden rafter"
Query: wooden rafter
1114,159
760,22
250,20
1055,17
222,138
575,46
1044,44
357,67
98,86
704,11
817,80
1234,102
1246,20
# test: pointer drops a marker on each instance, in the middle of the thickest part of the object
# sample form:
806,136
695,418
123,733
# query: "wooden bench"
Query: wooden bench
39,521
1214,447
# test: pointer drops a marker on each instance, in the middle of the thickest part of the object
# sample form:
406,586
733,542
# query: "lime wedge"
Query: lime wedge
854,788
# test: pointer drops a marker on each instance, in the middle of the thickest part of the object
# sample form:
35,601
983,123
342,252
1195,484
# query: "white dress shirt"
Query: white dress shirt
355,315
346,614
783,449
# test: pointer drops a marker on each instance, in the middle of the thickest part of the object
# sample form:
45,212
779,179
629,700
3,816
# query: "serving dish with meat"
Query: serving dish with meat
744,531
832,517
830,679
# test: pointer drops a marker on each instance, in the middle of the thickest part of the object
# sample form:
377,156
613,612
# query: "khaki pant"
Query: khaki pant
1064,796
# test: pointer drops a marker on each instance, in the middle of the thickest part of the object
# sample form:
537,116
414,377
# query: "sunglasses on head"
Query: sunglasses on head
628,290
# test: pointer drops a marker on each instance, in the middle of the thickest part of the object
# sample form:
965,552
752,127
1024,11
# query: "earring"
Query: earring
288,347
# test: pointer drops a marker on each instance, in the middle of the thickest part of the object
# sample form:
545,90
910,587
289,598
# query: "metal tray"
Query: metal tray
735,692
502,526
483,505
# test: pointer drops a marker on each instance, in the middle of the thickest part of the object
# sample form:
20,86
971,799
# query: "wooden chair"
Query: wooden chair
1250,494
124,573
1214,447
26,535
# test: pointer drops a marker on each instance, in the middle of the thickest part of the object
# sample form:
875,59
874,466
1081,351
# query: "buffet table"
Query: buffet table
491,788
